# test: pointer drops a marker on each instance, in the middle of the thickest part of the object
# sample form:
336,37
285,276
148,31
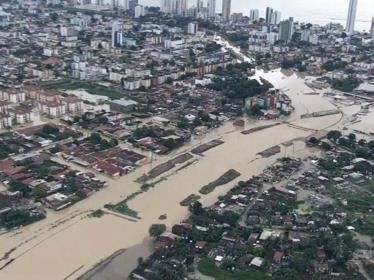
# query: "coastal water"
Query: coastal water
316,11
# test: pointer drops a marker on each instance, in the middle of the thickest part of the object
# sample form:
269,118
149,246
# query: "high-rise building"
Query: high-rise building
372,28
286,30
133,4
269,12
200,6
211,8
275,17
226,9
117,39
139,11
254,15
352,9
272,16
192,28
167,6
123,4
181,7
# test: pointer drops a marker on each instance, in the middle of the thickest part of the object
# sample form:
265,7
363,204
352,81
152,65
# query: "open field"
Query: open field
90,87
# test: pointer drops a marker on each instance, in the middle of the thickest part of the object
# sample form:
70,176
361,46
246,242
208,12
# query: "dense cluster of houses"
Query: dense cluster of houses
33,180
288,219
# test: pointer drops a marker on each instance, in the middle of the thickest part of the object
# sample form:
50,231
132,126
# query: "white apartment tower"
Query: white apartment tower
167,6
139,11
226,9
192,28
352,9
117,39
181,7
254,15
211,8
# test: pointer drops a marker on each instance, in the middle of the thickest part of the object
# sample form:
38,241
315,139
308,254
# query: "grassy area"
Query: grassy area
365,225
190,199
89,86
224,179
208,268
122,208
304,209
369,186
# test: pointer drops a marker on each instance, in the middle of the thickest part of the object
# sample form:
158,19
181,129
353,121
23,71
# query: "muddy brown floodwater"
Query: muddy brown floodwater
68,243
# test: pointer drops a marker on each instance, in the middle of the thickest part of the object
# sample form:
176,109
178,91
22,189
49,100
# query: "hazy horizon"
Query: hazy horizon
317,11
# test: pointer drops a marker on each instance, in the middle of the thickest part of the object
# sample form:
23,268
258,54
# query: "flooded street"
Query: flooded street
68,243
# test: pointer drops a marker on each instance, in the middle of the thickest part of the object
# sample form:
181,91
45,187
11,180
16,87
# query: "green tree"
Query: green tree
371,144
363,152
19,186
95,138
352,137
156,230
38,193
313,140
325,146
334,135
362,142
196,208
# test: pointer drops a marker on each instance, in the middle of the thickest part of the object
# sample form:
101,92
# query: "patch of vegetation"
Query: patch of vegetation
89,86
346,85
222,180
332,65
208,268
96,214
212,47
53,133
6,149
304,209
239,39
15,186
156,230
17,217
123,208
96,140
234,82
190,200
45,169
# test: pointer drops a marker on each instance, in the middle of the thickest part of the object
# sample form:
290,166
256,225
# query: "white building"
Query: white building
123,4
254,15
351,18
192,28
181,7
269,12
174,44
117,39
275,18
226,9
139,11
168,6
262,37
211,8
4,18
